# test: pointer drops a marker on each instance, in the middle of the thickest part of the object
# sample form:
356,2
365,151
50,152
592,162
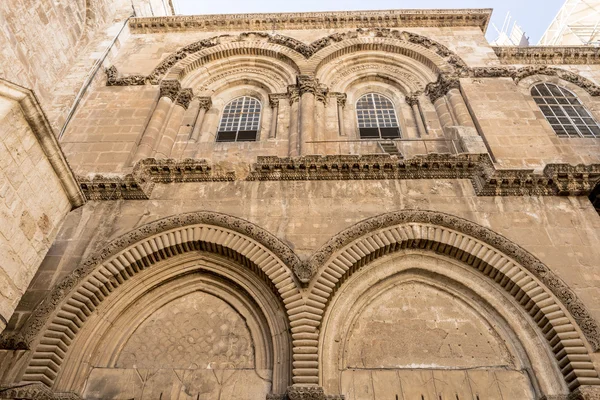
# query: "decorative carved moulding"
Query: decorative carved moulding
317,20
306,50
548,55
188,170
303,392
204,102
35,391
114,188
185,97
556,179
441,87
113,78
365,167
518,74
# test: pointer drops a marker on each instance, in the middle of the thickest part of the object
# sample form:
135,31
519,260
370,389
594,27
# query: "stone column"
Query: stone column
307,88
165,145
443,112
204,104
459,107
169,90
274,99
340,100
413,102
294,142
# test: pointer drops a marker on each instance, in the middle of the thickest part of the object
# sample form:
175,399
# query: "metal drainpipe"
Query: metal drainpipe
90,78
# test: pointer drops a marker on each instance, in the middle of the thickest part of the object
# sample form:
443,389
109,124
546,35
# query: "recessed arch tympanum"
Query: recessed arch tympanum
55,324
560,316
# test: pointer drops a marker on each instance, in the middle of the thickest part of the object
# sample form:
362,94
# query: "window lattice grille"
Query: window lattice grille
564,111
376,117
240,120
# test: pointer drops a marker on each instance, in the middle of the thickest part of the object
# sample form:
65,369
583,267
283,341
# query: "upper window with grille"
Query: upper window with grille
564,111
376,117
240,120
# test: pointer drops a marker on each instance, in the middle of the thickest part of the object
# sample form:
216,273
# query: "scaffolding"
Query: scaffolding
577,23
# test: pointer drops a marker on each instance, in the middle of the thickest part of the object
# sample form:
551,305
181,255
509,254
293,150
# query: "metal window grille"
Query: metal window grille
564,111
240,120
376,117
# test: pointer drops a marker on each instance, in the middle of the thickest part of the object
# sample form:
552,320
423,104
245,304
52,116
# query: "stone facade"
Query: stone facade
457,261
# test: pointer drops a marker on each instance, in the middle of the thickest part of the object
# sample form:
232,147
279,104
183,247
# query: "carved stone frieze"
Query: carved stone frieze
170,88
188,170
115,188
548,55
556,179
306,50
34,391
524,72
314,20
113,79
305,392
204,102
184,97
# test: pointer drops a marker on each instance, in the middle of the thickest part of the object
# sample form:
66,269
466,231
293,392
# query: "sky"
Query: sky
534,16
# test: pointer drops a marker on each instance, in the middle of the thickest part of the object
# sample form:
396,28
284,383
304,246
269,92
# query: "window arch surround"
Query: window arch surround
564,111
240,120
376,117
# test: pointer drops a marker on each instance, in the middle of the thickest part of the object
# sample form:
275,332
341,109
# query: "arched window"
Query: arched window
240,120
376,117
564,111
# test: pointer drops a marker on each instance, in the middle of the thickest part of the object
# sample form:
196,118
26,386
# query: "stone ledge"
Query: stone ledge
554,180
548,55
34,391
314,20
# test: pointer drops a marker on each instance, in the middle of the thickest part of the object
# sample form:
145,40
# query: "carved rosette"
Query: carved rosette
184,97
442,86
170,88
204,102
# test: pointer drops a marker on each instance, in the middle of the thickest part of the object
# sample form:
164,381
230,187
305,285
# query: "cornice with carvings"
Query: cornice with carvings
314,20
555,180
35,391
548,55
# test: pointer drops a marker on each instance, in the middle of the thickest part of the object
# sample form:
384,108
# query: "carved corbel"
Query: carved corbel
170,88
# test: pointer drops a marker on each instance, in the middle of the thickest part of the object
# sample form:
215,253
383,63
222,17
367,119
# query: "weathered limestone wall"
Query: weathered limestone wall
563,232
515,129
33,204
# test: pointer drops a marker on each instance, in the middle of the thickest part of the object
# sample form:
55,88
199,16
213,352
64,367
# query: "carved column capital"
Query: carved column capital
307,84
275,97
412,100
170,88
441,87
184,97
204,102
293,94
339,97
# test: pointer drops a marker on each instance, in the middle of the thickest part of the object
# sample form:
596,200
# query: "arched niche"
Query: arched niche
55,324
415,324
570,333
196,323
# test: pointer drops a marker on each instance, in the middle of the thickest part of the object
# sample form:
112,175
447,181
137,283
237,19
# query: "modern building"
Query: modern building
359,205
